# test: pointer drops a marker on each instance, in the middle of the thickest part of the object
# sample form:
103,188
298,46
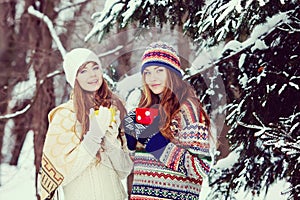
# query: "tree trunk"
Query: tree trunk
43,64
124,64
6,12
183,49
20,130
7,59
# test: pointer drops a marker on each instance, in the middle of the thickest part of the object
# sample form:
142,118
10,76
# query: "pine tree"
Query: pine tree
264,118
145,13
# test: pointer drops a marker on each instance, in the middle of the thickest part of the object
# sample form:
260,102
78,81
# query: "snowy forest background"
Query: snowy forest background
241,56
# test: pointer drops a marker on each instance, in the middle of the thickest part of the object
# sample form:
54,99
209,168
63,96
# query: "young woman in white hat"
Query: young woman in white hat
85,155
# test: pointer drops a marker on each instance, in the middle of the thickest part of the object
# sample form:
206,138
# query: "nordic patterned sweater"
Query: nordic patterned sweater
171,170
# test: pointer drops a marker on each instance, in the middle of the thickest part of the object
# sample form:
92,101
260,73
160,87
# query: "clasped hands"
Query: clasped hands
98,126
103,120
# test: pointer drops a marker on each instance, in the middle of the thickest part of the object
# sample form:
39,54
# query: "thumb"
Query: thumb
92,111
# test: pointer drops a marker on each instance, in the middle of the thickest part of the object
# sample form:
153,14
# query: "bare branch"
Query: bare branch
111,51
27,107
49,24
17,113
73,5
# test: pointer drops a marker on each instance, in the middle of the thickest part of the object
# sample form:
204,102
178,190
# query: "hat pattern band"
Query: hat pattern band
163,59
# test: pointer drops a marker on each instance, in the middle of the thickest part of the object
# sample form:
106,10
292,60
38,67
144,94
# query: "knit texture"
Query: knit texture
74,59
176,170
163,55
67,162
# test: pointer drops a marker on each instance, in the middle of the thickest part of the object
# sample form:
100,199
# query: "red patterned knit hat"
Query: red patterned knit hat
163,55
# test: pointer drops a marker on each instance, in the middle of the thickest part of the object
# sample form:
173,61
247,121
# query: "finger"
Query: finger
92,111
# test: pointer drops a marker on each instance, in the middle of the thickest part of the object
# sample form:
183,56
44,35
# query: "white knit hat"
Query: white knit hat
74,59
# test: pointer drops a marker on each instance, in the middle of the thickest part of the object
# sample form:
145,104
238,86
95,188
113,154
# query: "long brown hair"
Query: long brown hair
176,92
84,100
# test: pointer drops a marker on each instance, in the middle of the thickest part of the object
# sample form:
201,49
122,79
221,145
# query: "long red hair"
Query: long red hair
84,100
176,92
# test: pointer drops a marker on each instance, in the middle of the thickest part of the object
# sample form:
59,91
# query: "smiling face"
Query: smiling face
90,77
156,78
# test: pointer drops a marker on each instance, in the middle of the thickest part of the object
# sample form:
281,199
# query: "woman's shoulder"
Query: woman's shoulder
189,111
188,106
63,109
188,103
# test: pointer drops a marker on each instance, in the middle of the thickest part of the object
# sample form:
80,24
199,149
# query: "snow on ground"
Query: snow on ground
18,182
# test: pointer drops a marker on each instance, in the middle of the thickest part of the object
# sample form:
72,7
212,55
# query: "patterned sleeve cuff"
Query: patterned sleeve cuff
157,144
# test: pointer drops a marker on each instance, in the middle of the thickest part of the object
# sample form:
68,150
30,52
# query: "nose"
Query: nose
152,77
92,73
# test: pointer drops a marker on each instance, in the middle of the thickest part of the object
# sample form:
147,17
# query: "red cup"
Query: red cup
145,115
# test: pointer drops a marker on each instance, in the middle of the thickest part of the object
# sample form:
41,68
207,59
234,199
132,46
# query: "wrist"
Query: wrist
148,133
157,144
91,145
95,137
131,142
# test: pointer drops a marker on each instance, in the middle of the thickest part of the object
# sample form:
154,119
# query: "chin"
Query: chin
97,88
157,92
93,89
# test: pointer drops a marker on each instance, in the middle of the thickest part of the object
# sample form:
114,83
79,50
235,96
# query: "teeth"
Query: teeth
95,81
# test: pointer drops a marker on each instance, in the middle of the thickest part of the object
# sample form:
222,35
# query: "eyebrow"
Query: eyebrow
85,66
82,68
154,68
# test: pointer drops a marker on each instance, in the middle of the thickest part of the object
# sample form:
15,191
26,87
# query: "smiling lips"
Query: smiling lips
93,82
155,85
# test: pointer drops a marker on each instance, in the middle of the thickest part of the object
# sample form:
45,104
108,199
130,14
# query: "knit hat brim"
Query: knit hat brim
161,64
161,54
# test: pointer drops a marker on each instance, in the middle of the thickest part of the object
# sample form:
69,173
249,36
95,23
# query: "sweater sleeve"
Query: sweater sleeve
117,153
190,155
63,148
